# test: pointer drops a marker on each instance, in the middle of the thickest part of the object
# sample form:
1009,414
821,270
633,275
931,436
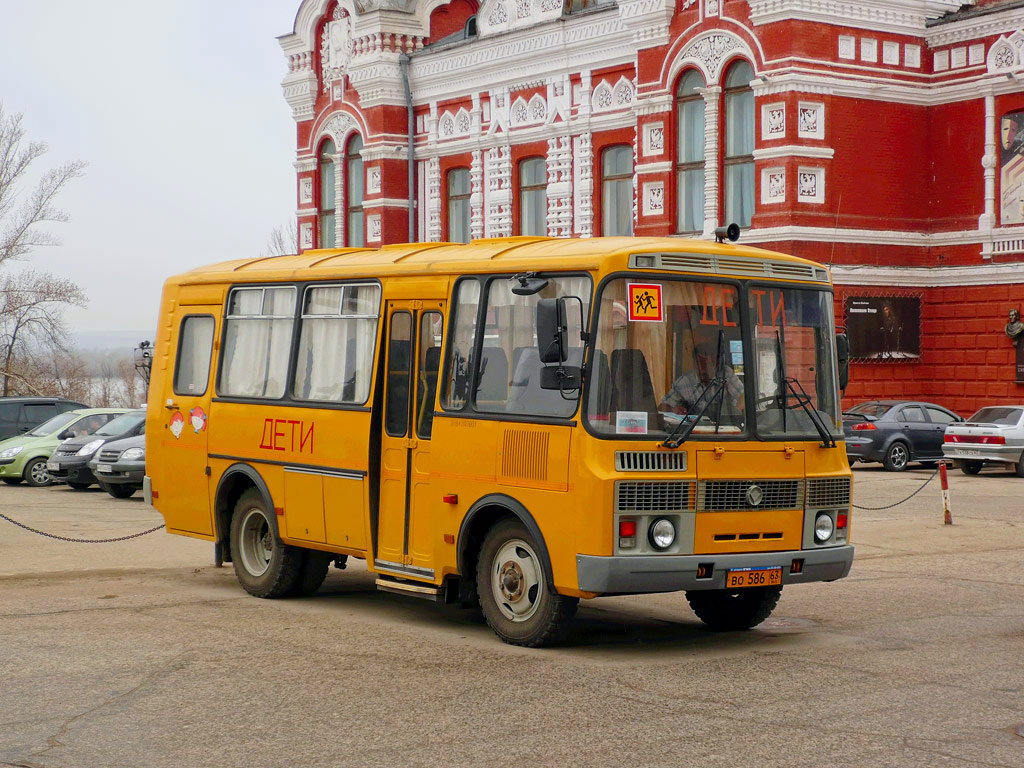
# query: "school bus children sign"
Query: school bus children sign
645,303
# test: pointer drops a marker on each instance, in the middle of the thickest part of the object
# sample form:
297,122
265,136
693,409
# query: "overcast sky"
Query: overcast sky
178,109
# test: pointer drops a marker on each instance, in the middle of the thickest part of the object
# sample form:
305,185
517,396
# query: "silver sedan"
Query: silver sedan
993,434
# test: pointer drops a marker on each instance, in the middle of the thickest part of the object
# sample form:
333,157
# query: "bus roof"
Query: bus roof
507,254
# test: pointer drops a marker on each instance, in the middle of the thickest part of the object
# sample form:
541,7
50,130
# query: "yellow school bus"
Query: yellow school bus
517,423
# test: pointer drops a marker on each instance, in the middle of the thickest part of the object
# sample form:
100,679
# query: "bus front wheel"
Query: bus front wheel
512,588
725,610
264,566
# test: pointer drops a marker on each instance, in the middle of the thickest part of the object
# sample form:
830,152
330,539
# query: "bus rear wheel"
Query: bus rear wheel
264,566
725,610
512,587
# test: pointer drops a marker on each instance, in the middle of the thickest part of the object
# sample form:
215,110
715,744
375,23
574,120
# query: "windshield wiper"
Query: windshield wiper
689,422
789,385
715,387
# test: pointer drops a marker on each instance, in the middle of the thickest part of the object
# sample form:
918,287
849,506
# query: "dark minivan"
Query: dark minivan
21,414
70,461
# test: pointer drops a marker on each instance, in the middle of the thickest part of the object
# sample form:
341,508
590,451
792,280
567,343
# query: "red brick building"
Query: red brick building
885,138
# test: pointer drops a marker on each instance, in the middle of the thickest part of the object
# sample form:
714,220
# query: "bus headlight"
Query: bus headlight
662,533
823,527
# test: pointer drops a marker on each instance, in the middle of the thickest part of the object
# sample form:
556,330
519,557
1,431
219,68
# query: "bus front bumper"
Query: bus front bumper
671,573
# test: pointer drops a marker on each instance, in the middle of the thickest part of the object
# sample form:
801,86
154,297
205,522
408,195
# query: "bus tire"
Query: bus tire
971,467
512,589
725,610
314,570
264,566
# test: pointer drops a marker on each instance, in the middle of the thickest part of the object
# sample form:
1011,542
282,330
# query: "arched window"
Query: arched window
739,144
458,205
533,196
690,153
617,191
354,233
326,162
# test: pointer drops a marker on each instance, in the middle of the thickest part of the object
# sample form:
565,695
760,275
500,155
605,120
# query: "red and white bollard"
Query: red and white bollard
947,510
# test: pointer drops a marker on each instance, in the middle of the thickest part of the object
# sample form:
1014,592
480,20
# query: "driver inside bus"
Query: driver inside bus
682,396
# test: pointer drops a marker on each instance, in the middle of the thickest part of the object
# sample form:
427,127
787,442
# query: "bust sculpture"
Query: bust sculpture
1015,328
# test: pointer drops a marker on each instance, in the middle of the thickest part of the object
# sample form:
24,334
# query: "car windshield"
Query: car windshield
55,424
794,373
1005,417
874,410
124,423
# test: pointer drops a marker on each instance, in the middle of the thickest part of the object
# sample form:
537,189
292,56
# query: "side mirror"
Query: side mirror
552,330
843,355
565,378
65,435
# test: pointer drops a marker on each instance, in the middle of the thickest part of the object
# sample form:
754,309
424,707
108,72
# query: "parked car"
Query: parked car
119,466
23,458
70,461
896,432
19,415
993,434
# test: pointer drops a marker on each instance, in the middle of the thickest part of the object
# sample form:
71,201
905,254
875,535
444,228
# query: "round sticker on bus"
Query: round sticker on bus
198,418
177,424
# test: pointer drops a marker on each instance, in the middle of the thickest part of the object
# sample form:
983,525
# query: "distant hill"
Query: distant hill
102,341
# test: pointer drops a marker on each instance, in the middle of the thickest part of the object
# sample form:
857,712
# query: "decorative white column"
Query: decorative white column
559,187
712,183
583,184
476,196
434,200
987,221
499,192
338,162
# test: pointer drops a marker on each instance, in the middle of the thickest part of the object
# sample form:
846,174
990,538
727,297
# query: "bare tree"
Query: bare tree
20,230
32,319
282,242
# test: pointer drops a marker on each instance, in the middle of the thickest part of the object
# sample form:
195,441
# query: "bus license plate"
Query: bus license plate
104,468
753,577
52,465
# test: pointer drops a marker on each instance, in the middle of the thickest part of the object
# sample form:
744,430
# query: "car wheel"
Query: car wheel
11,480
1019,467
120,491
896,457
729,610
79,486
512,588
35,473
265,567
971,467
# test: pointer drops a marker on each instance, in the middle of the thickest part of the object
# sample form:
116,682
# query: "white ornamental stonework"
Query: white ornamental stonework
583,185
773,121
476,195
810,185
773,185
654,139
498,171
891,53
306,190
306,236
434,200
373,228
811,120
373,180
559,188
847,47
654,198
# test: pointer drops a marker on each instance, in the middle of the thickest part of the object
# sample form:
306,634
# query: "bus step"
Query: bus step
425,591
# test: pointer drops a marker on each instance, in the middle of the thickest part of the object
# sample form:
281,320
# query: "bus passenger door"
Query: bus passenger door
404,541
179,477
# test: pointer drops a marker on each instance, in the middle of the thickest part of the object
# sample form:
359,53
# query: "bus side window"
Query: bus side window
195,343
459,365
429,362
396,406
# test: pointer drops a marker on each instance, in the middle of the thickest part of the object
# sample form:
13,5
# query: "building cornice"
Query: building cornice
793,150
892,16
976,28
929,277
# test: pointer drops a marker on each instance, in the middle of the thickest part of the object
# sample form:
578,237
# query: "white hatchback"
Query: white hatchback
993,434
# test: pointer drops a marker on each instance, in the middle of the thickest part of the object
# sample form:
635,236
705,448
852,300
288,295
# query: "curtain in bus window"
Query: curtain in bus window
339,327
257,342
509,376
193,363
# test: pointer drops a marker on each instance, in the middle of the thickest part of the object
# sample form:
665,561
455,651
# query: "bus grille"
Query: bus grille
653,496
650,461
828,492
735,495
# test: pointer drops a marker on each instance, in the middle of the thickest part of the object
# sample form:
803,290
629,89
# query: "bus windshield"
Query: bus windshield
671,353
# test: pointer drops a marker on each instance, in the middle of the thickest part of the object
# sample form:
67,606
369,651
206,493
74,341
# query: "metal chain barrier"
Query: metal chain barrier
896,504
78,541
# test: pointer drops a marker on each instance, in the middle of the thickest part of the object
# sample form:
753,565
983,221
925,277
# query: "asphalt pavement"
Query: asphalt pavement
142,653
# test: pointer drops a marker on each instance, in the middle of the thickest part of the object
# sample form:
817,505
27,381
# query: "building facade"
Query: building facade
884,138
